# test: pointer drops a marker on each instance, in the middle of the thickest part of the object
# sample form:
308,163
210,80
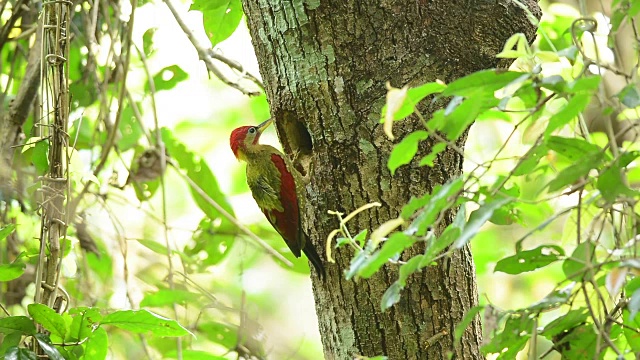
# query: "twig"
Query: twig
163,187
113,129
16,13
4,310
106,149
19,109
206,56
236,66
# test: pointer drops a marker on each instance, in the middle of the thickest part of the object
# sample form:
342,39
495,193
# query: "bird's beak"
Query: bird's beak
263,126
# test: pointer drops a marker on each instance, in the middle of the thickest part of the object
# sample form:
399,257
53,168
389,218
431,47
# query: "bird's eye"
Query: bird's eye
252,130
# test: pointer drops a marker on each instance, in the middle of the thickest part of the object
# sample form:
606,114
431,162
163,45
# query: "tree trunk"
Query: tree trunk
325,64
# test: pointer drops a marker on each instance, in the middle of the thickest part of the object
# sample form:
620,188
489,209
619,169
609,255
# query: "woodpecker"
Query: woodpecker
276,187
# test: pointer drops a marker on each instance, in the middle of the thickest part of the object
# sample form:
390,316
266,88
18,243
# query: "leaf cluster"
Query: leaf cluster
121,158
563,174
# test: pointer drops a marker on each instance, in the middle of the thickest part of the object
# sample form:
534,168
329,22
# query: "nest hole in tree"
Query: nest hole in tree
298,144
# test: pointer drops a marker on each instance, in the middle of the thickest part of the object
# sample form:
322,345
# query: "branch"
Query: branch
11,122
207,55
16,13
236,66
19,109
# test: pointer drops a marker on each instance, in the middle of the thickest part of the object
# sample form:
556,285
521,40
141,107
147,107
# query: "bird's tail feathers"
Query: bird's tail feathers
314,258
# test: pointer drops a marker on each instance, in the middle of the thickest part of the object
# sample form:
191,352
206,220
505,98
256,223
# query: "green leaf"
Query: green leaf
97,346
6,231
442,198
483,83
579,342
506,215
20,324
494,115
409,268
168,78
154,246
356,264
569,320
391,248
630,330
553,300
49,319
391,296
573,173
572,109
435,150
40,156
214,238
573,149
223,334
554,83
436,246
360,238
460,219
513,338
438,120
527,94
468,318
130,129
15,353
416,203
221,17
144,321
520,42
457,121
529,163
477,219
12,271
632,285
101,266
610,181
630,96
530,260
574,267
147,41
200,173
83,323
168,297
341,241
413,98
633,9
47,347
84,92
405,150
10,340
587,83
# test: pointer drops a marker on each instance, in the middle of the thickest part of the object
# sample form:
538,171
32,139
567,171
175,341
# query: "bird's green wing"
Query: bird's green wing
265,193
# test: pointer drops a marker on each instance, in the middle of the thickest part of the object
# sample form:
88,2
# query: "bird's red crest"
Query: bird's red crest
237,138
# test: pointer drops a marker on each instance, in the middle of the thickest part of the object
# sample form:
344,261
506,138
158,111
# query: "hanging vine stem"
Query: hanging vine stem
53,126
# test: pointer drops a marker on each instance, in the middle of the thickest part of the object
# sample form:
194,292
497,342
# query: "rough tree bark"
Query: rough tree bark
325,64
11,121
